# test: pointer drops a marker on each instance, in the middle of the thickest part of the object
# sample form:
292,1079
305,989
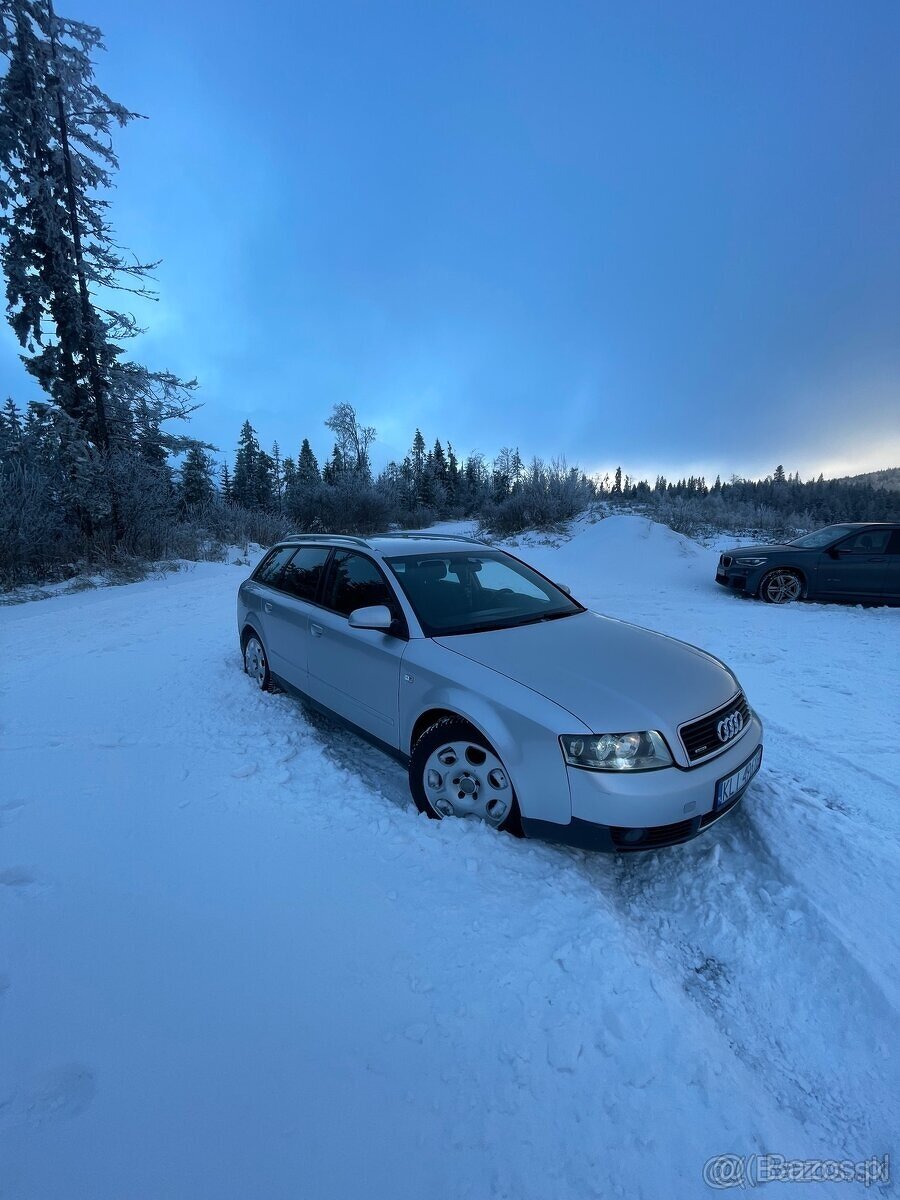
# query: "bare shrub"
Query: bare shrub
546,498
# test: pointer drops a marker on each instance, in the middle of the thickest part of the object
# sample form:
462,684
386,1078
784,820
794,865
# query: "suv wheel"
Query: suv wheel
781,587
256,664
454,772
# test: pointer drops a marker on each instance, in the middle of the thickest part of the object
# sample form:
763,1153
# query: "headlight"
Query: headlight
616,751
750,562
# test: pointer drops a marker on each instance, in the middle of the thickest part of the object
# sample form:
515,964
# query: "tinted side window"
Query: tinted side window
356,583
302,574
271,567
872,542
894,543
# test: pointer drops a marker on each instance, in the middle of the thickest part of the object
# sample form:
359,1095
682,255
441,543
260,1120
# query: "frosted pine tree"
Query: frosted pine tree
308,474
63,267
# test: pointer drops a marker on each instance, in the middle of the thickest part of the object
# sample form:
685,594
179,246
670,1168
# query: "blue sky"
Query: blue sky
662,235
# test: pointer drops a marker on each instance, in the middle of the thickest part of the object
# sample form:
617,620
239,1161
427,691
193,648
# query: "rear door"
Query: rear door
855,567
260,595
891,590
288,609
356,672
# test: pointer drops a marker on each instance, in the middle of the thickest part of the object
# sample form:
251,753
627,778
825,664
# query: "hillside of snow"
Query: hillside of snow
236,963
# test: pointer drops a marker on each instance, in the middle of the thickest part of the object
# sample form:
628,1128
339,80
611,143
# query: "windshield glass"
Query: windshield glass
822,537
458,592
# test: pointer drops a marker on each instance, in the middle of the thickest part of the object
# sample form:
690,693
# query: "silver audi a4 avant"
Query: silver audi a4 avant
508,700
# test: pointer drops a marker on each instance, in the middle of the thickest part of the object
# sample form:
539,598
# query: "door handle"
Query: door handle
268,606
315,630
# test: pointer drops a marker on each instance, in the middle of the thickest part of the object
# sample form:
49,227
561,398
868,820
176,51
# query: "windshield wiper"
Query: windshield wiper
495,625
541,618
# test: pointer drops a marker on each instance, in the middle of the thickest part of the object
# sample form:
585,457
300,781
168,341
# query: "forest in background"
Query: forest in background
92,473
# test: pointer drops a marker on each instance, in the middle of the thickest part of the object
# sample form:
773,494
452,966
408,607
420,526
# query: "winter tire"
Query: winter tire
256,664
455,772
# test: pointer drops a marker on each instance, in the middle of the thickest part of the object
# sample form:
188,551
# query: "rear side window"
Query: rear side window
357,583
271,567
302,574
894,543
873,541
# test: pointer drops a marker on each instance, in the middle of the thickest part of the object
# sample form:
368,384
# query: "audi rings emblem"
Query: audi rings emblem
729,727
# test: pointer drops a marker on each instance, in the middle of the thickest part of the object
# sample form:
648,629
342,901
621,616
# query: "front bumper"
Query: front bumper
649,809
740,579
585,835
737,583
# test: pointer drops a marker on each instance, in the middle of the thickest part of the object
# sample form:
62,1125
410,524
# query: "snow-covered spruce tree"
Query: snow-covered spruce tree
308,474
243,483
197,486
63,267
277,475
264,482
225,484
288,476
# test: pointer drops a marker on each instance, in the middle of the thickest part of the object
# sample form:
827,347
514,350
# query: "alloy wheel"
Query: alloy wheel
781,587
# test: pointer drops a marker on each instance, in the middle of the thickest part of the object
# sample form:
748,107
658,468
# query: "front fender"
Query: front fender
521,725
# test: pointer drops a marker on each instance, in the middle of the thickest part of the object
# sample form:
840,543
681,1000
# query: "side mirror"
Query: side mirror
833,552
564,587
375,616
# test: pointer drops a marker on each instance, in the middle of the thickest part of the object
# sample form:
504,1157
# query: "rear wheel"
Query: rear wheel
455,772
781,587
256,664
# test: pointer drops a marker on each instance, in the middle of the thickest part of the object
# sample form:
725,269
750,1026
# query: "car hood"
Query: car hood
615,677
758,551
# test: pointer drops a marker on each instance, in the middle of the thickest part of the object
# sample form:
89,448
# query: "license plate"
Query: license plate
731,785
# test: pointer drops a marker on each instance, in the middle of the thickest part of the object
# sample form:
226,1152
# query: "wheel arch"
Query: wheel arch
250,630
431,716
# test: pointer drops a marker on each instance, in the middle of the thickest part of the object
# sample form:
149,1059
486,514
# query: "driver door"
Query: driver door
356,672
857,566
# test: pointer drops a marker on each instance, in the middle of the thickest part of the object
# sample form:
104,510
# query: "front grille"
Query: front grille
701,739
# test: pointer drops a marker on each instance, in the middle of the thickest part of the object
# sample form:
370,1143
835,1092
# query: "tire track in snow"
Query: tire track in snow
754,953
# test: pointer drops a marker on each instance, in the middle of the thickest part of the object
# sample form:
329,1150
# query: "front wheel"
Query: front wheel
455,772
781,587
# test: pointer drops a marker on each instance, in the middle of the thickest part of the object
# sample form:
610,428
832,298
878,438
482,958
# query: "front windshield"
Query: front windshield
461,592
822,537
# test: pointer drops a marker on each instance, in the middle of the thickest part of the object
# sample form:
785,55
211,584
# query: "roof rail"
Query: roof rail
437,537
325,537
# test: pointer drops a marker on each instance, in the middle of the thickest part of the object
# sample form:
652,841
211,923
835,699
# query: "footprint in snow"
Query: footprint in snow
18,879
244,772
11,810
61,1092
710,978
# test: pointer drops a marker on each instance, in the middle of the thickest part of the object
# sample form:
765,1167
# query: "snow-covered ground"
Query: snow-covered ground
235,963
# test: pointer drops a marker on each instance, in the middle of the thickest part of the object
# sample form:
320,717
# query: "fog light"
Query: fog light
634,835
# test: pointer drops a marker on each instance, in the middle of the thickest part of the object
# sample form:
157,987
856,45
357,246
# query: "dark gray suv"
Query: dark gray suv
853,562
